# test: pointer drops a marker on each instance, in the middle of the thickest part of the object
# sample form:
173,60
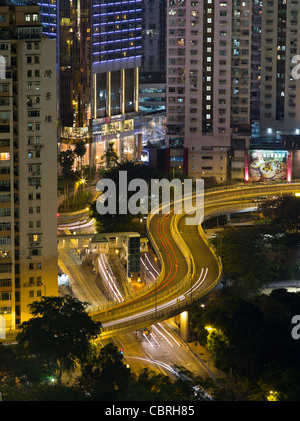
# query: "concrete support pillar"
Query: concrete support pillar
228,217
184,325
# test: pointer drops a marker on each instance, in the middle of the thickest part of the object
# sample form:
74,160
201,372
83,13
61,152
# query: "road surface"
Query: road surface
169,291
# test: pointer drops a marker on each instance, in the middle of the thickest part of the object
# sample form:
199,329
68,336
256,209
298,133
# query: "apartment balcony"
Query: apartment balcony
34,244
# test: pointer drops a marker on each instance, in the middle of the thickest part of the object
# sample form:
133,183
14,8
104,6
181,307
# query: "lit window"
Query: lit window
4,156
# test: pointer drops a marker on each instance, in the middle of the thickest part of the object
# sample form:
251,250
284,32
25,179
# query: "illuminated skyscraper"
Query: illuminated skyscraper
116,59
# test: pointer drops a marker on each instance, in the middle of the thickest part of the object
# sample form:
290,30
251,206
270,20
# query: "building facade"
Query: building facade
152,87
280,92
69,22
208,84
116,60
28,163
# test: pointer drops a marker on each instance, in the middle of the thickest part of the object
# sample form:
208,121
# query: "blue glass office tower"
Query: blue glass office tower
49,17
116,58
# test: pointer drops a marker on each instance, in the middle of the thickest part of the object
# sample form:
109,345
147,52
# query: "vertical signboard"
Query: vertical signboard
133,259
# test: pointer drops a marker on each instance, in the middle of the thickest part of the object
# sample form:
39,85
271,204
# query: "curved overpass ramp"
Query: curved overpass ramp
190,268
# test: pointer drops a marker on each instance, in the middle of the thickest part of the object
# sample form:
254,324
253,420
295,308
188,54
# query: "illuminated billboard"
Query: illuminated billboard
267,165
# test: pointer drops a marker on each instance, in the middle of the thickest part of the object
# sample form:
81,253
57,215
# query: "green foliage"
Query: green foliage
104,375
123,222
218,346
59,332
283,211
106,378
245,261
110,156
66,160
252,340
80,149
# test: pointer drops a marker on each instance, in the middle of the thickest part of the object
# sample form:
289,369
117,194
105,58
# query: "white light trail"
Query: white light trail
155,328
73,225
147,258
159,363
108,276
198,283
154,339
160,307
177,373
145,336
148,271
161,326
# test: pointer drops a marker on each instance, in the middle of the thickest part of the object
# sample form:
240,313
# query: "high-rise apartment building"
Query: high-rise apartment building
280,92
116,59
243,85
208,84
255,66
28,164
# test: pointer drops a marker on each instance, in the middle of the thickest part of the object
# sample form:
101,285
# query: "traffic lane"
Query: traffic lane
174,261
202,255
135,353
175,269
85,285
161,351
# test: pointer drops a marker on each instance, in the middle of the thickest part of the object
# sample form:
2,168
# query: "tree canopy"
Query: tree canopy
66,160
80,151
123,222
251,338
110,156
283,211
59,331
246,264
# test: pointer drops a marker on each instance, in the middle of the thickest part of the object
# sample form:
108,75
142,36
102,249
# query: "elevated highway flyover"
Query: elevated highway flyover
190,267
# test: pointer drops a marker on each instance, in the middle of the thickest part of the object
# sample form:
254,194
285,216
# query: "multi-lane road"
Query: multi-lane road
185,254
160,351
82,282
190,269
